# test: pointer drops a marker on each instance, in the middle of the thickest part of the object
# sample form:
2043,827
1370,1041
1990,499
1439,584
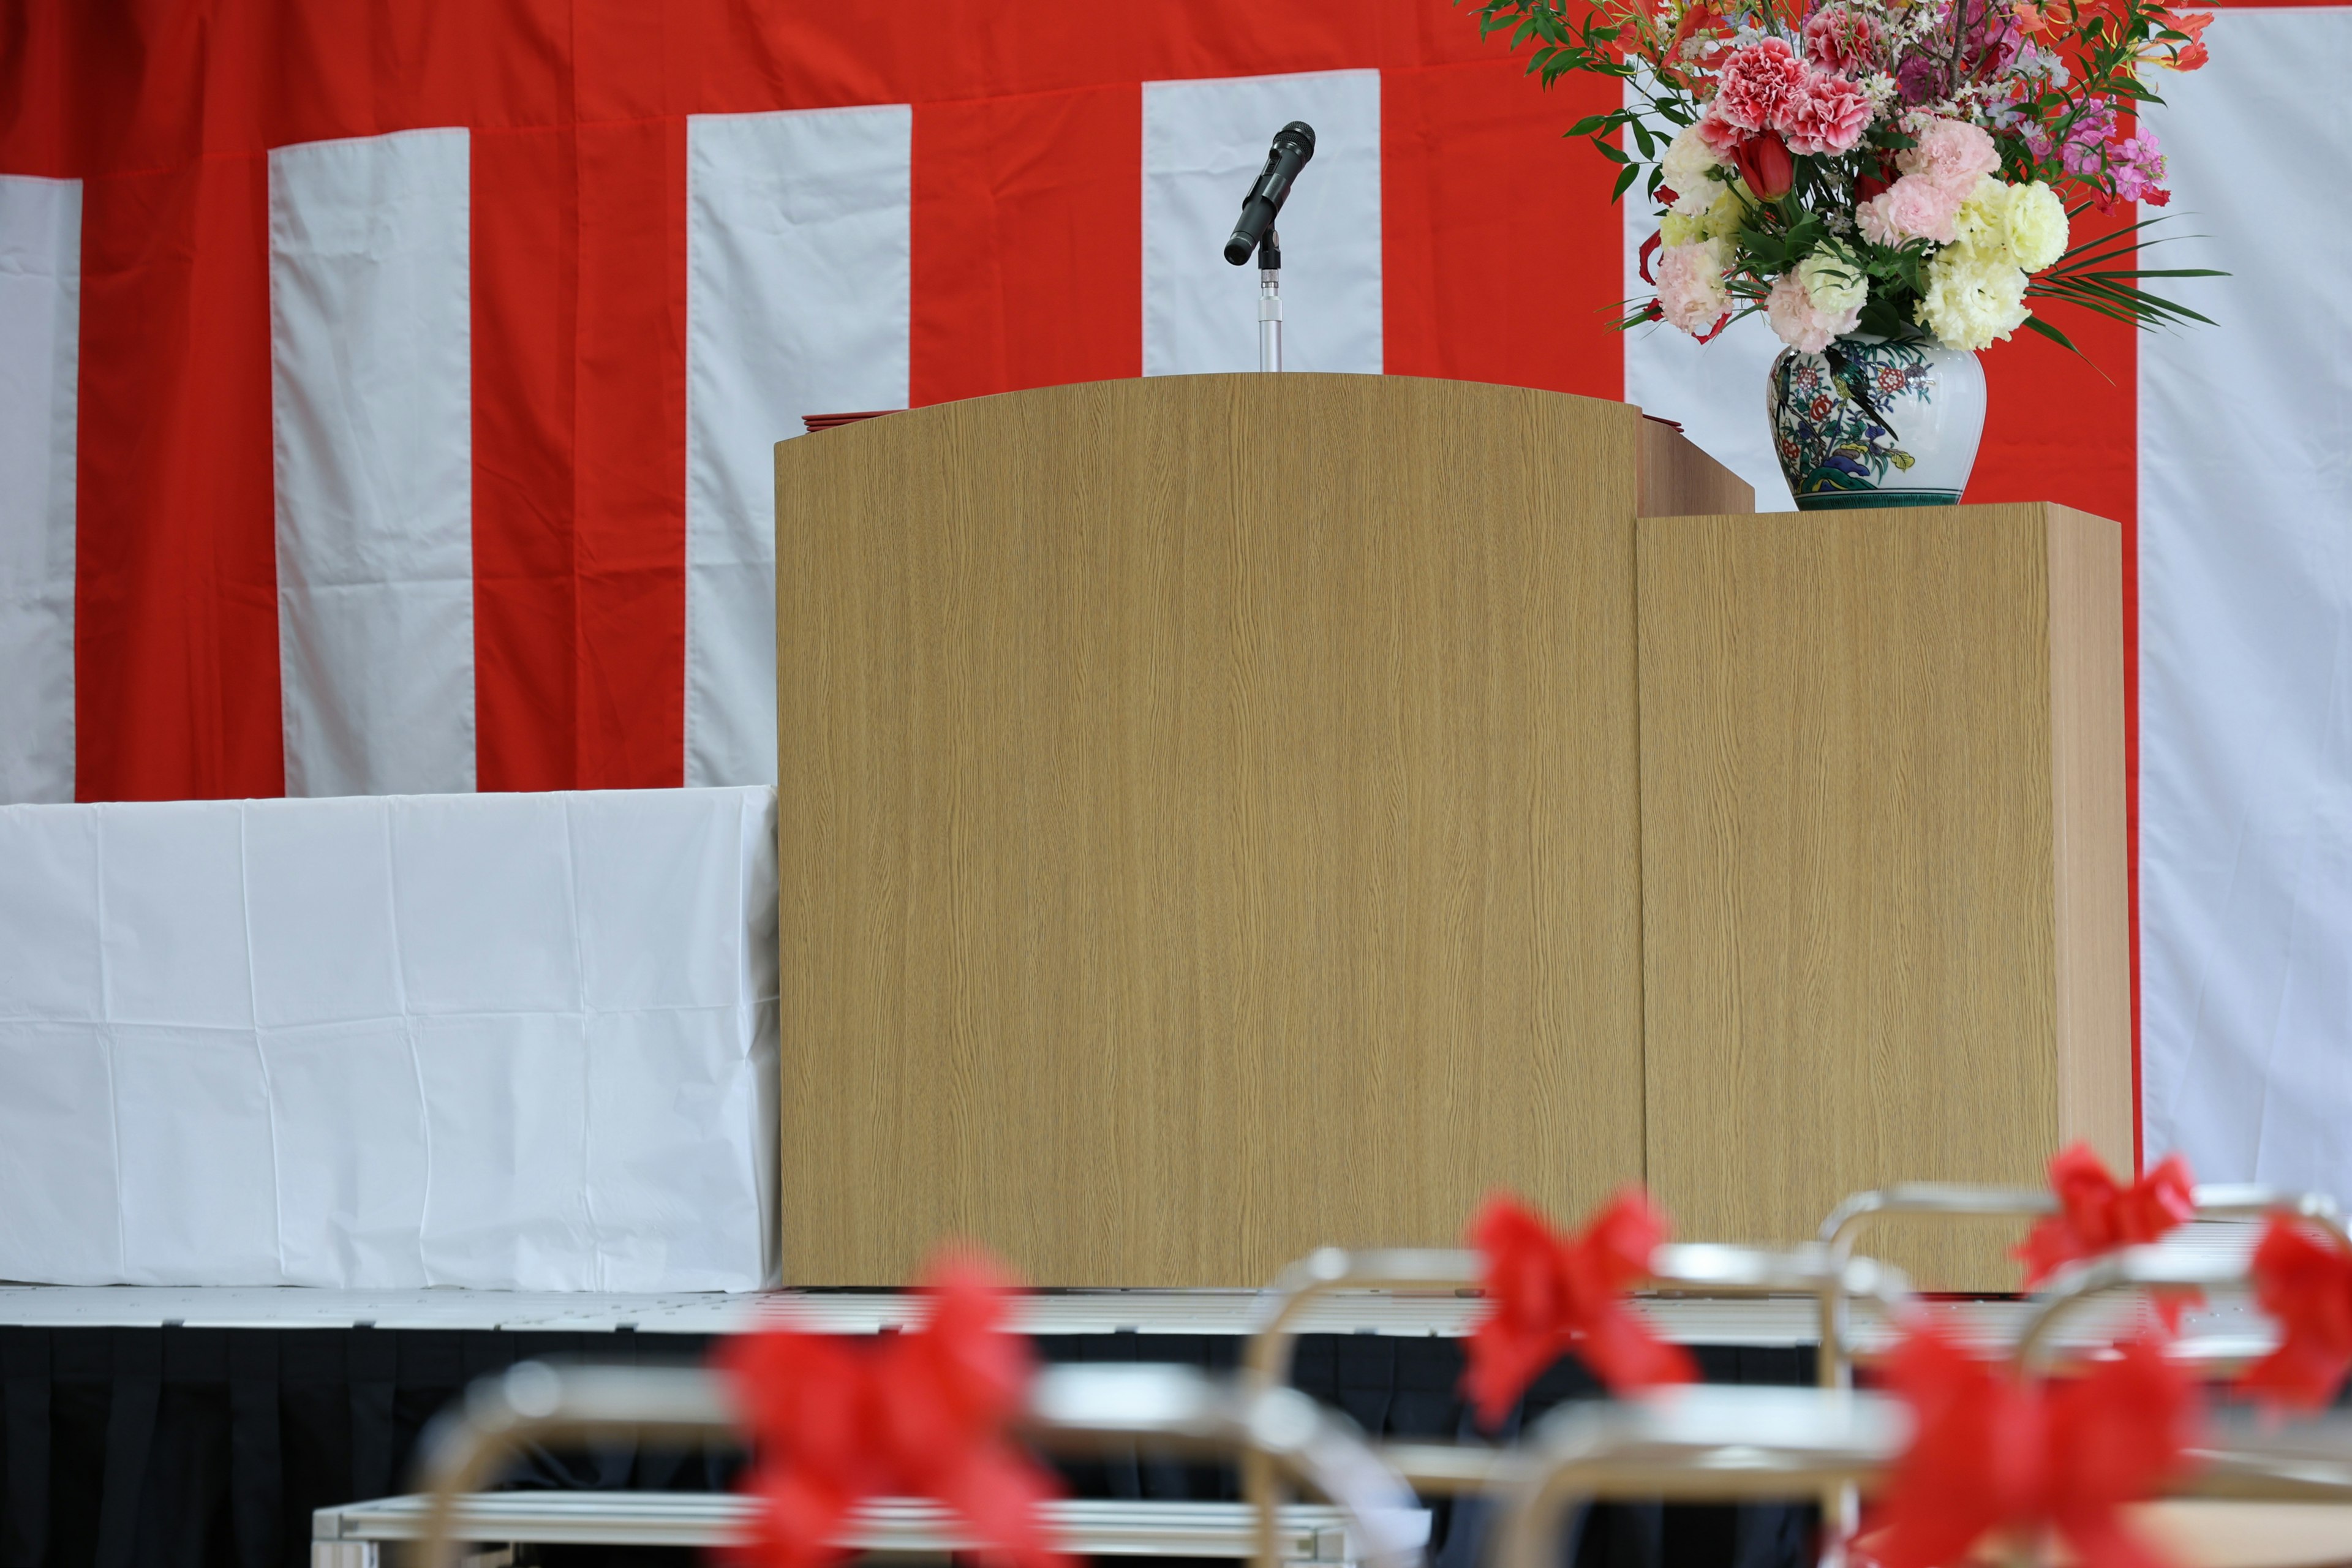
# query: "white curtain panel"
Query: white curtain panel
372,422
798,301
1202,143
504,1041
2245,586
40,347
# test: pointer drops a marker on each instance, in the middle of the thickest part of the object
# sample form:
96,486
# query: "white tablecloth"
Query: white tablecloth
511,1041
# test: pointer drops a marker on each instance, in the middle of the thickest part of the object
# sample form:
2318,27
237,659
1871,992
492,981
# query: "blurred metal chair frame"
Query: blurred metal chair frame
1836,1358
1830,1443
1828,1270
358,1534
1070,1408
1700,1269
1712,1444
1957,1201
1699,1444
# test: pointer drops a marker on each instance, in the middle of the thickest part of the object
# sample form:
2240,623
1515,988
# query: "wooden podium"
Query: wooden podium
1225,815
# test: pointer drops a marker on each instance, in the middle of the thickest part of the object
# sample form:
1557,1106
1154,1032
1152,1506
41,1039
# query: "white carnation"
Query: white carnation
1721,221
2023,226
1688,170
1724,219
1972,299
2036,227
1982,217
1832,281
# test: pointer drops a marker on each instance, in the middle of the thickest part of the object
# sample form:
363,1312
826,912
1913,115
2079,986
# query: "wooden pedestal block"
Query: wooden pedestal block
1885,922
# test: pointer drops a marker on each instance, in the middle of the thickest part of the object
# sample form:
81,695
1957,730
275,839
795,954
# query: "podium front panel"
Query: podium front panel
1209,824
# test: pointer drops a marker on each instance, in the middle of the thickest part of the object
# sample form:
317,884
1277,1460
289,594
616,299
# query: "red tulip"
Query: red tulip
1764,162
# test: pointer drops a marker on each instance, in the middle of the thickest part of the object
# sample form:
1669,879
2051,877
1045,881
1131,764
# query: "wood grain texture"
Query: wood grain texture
2094,850
1877,947
1679,480
1209,824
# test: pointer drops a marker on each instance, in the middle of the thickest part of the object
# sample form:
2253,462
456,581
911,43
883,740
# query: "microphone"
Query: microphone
1292,145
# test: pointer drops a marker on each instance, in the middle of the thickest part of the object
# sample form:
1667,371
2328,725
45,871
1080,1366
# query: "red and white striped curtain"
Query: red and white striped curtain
388,390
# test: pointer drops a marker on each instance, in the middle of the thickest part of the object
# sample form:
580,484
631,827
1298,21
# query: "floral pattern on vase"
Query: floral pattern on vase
1872,422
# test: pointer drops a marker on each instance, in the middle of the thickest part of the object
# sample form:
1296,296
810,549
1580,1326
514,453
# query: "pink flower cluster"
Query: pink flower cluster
1690,287
1765,88
1991,40
2137,164
1839,38
1911,208
1827,114
2134,164
1952,153
1939,173
1991,35
1802,324
2081,144
1755,82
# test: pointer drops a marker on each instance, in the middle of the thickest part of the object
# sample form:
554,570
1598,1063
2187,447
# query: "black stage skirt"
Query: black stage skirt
180,1448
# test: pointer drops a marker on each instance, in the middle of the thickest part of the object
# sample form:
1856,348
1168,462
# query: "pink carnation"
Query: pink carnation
1912,207
1754,82
1691,294
1840,40
1952,153
1799,323
1825,114
1719,134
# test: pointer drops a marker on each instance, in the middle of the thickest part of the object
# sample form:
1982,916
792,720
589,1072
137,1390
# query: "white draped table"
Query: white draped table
505,1041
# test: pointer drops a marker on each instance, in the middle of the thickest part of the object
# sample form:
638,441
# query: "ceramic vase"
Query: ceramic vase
1869,423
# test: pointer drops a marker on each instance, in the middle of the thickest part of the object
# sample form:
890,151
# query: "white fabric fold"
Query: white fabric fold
511,1042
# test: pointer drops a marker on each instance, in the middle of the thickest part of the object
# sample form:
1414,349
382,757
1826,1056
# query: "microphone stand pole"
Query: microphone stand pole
1269,302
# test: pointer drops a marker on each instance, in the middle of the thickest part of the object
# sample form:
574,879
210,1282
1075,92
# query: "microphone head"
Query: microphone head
1238,248
1299,134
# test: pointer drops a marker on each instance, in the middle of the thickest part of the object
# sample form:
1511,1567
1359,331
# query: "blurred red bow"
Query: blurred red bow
1990,1453
2096,1214
2305,1280
921,1413
1555,1293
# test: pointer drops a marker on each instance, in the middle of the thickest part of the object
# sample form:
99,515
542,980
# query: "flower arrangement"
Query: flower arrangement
1908,169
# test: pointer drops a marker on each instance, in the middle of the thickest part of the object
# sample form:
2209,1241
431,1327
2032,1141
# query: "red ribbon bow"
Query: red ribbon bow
2303,1280
1555,1293
2096,1214
1990,1453
921,1413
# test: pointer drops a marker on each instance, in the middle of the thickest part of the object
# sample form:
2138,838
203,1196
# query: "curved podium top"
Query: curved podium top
1208,820
1276,416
